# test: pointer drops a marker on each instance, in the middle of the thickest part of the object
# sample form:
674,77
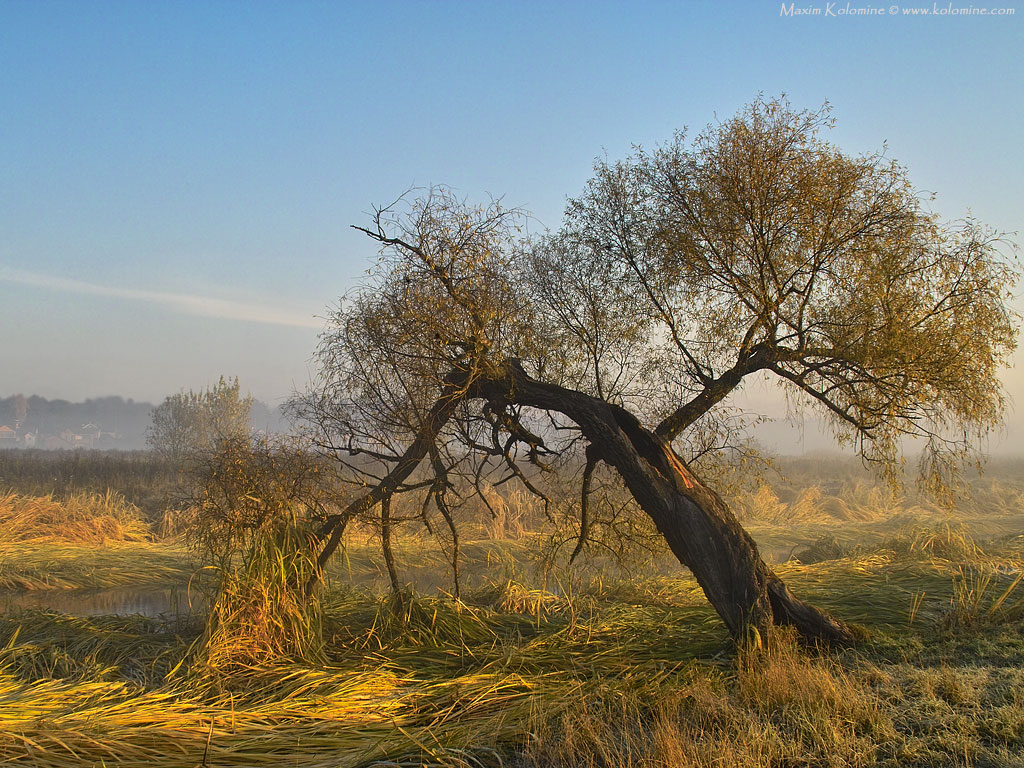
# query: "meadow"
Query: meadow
605,663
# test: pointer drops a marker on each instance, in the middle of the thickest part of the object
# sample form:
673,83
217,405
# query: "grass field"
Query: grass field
546,666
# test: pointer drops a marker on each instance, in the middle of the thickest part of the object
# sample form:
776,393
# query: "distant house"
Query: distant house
55,443
8,437
29,439
76,440
90,435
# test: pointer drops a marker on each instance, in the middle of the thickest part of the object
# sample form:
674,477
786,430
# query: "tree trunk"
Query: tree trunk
385,545
706,537
698,526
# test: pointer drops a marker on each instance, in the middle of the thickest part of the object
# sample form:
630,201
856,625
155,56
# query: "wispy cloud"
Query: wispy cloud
202,306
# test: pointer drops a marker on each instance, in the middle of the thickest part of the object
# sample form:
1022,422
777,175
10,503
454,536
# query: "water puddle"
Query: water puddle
168,602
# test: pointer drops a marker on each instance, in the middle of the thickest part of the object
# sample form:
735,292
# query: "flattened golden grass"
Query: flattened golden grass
41,564
607,673
85,518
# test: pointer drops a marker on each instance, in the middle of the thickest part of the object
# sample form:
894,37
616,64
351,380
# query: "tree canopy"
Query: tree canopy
756,248
760,247
191,422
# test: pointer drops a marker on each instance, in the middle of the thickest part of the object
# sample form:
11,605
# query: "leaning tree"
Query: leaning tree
756,249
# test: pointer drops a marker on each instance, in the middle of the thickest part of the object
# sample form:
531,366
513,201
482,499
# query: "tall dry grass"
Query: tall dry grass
856,502
84,518
777,706
141,477
260,613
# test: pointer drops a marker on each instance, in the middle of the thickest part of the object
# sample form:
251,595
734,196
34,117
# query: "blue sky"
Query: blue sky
153,153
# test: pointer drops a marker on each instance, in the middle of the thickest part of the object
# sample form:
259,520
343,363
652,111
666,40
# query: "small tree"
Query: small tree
248,485
193,422
252,521
756,249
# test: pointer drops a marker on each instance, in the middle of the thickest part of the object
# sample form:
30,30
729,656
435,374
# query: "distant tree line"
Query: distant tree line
127,418
124,417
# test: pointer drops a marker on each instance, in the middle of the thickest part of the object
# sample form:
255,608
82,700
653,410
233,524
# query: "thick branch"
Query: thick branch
714,392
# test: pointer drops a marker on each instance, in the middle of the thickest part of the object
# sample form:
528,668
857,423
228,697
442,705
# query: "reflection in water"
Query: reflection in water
122,601
425,578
